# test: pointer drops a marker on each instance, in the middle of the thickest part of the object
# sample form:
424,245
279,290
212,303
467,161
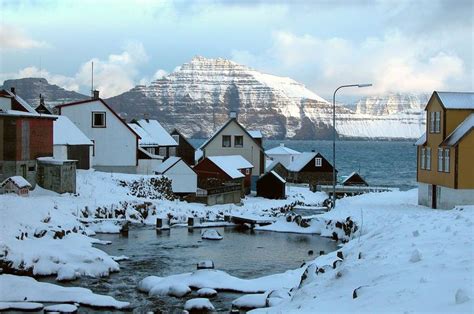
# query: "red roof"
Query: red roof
104,103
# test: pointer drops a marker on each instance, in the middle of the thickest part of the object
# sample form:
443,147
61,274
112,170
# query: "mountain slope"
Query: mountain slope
30,88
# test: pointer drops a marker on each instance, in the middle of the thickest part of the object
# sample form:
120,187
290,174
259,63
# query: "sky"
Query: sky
399,46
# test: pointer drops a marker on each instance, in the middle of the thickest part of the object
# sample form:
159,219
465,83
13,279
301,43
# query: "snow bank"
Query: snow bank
406,258
219,280
20,289
199,304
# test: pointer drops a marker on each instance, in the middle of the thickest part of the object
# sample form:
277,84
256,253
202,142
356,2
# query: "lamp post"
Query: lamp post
334,138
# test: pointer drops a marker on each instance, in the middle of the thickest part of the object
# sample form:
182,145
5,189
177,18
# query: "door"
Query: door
433,196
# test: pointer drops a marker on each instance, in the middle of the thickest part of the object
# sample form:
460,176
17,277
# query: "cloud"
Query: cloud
392,63
13,38
114,75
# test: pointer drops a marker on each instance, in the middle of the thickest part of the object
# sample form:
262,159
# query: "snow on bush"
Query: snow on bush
151,188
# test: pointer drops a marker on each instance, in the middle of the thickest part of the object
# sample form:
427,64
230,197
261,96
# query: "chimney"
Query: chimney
233,115
96,94
41,100
12,89
313,151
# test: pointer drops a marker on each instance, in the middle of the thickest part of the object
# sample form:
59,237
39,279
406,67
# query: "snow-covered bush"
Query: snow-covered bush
151,188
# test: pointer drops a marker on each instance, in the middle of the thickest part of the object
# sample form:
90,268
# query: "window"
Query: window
238,141
423,158
446,160
292,158
226,141
172,151
31,168
151,150
428,158
93,148
98,119
247,171
432,122
318,162
437,122
176,138
440,159
162,151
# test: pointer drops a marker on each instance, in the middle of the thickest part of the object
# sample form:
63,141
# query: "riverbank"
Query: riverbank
399,256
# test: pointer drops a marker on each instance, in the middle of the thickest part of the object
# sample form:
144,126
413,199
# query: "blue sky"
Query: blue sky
406,46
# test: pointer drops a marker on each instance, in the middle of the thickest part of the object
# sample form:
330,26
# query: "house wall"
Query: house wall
250,150
60,178
148,166
185,150
312,174
447,198
269,186
466,163
115,146
284,159
60,152
184,179
450,119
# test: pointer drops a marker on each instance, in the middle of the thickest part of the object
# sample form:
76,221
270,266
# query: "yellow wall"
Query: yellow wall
466,162
453,117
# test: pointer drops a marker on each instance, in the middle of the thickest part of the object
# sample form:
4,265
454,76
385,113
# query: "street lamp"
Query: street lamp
334,138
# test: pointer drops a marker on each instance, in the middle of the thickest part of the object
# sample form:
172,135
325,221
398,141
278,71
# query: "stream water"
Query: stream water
242,253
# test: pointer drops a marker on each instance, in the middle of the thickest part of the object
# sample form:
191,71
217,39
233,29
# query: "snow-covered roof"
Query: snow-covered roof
255,133
67,133
301,161
278,176
157,132
421,140
272,165
53,161
22,102
19,181
465,127
457,100
167,164
145,138
198,153
19,113
350,176
281,150
231,164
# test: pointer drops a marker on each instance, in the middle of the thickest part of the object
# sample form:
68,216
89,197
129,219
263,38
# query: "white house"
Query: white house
233,139
115,144
184,179
69,143
282,154
155,138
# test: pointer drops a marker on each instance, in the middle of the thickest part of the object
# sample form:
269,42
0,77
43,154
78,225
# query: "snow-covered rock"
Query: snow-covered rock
250,301
206,292
20,306
21,288
211,234
60,308
199,304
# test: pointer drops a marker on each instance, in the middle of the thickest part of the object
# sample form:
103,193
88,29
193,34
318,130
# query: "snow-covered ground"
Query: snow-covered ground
400,257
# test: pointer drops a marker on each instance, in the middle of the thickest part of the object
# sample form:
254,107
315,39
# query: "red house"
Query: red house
233,168
24,136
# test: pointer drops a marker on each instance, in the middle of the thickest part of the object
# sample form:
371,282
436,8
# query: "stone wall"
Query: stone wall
57,177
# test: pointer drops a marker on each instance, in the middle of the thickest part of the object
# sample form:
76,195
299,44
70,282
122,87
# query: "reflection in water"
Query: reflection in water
242,253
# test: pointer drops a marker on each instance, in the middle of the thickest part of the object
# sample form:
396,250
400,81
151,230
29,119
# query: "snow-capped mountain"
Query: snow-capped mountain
197,99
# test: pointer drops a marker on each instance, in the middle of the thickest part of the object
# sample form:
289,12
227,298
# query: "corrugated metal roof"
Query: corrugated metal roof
457,100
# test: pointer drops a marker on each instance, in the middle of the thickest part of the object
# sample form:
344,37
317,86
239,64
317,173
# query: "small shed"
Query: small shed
185,149
271,185
148,163
183,178
15,184
56,175
355,179
311,168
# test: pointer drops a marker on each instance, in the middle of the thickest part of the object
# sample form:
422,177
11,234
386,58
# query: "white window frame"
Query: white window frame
432,122
423,158
103,113
437,122
446,160
440,160
230,141
428,158
318,162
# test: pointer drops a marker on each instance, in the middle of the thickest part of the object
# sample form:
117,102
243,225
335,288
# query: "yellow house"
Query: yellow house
445,153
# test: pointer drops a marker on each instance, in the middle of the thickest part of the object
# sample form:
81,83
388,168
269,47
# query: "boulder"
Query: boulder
211,234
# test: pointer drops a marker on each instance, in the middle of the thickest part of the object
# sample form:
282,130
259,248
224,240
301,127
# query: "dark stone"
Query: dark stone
310,252
340,255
